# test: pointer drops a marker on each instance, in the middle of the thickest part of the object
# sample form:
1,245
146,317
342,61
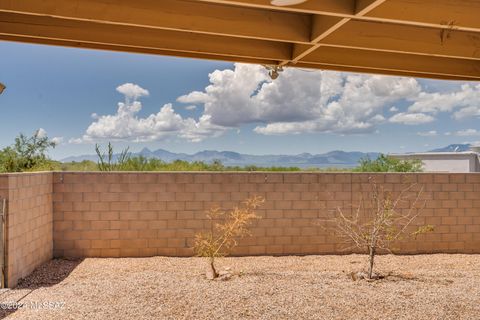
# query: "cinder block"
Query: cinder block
449,187
138,225
100,244
128,216
109,215
100,225
157,224
472,178
202,178
449,220
89,235
118,225
449,237
110,253
109,234
81,206
147,196
257,250
176,242
291,178
176,205
72,235
283,204
63,225
441,178
82,244
100,206
129,244
272,231
283,240
79,224
110,197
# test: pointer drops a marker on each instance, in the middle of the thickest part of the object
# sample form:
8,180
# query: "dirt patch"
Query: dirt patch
312,287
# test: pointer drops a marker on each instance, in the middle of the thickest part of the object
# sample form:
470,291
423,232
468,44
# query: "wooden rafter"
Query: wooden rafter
432,13
99,33
325,26
406,39
125,48
177,15
427,66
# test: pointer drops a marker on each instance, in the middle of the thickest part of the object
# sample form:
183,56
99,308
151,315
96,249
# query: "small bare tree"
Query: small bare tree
378,222
226,227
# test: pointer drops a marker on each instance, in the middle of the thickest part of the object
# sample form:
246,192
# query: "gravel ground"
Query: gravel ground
311,287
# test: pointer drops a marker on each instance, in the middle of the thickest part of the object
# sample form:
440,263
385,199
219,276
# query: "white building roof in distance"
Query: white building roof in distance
467,161
435,154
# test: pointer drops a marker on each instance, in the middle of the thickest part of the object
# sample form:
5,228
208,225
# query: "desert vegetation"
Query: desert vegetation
31,154
385,163
109,161
379,221
27,154
226,227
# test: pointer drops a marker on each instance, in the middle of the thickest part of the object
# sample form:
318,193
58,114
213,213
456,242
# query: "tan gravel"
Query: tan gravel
311,287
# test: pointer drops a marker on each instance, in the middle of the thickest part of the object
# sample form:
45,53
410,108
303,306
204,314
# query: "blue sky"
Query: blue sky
73,95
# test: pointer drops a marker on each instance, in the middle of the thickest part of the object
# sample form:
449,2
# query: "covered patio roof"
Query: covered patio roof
422,38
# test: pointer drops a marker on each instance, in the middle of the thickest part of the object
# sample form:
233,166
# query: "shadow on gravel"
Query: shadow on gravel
49,274
46,275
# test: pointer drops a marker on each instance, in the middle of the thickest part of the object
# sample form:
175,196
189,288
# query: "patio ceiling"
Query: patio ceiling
421,38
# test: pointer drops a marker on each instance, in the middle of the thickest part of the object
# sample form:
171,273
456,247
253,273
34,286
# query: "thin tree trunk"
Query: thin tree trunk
371,250
212,272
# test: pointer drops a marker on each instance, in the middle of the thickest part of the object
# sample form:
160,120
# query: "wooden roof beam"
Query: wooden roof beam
342,68
458,15
406,39
120,48
423,66
43,28
429,13
177,15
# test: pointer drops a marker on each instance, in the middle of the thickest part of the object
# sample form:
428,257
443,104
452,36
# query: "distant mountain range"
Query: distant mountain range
304,160
230,158
453,148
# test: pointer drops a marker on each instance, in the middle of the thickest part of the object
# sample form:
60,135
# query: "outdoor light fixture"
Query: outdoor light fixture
2,87
273,74
273,71
282,3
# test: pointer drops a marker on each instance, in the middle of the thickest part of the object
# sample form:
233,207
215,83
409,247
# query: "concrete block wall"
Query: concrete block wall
146,214
29,223
69,214
3,187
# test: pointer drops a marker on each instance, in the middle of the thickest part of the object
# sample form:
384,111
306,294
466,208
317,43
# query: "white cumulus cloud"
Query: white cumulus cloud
464,102
132,91
299,101
126,125
57,140
467,112
411,118
431,133
467,133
